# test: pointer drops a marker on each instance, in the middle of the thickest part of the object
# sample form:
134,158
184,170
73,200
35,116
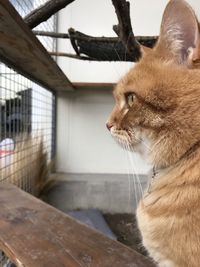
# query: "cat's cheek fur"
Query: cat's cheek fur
143,148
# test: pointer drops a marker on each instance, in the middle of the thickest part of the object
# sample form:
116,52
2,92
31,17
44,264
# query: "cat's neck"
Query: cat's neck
185,171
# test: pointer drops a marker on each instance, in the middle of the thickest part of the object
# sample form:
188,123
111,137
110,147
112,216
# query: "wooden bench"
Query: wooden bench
34,234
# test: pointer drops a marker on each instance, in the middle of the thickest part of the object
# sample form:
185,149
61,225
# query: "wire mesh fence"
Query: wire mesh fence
27,121
24,7
26,130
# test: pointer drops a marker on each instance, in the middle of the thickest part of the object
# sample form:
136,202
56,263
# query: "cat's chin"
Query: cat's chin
124,139
124,144
135,142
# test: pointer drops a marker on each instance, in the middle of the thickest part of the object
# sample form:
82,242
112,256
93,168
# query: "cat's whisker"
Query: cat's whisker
129,177
139,183
158,142
134,173
133,178
143,142
117,54
133,136
113,65
126,46
136,181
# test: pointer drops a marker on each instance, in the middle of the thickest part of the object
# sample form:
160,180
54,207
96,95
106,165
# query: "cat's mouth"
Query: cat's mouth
125,138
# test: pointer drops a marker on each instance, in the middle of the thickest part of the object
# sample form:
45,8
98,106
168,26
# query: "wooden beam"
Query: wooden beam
91,86
21,50
45,11
34,234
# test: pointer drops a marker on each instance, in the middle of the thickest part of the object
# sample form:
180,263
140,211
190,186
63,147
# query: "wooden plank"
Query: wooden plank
35,234
21,50
106,86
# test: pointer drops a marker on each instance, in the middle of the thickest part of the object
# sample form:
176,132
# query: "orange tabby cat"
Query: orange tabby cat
158,103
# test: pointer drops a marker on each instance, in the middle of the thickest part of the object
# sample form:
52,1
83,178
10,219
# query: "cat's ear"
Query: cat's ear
179,35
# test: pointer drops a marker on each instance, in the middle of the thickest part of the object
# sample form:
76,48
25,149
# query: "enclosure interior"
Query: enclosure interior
66,130
72,123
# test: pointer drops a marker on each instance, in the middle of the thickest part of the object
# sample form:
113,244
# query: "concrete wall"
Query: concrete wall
113,193
83,143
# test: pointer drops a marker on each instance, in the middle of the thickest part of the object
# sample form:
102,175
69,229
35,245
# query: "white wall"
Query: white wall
83,143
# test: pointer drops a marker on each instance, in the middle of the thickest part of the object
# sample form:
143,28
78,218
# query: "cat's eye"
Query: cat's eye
130,98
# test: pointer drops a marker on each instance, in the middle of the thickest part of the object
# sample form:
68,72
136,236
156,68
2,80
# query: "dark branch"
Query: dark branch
73,41
148,41
124,28
101,48
45,11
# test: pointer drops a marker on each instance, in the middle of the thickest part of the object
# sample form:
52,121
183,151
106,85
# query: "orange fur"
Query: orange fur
166,114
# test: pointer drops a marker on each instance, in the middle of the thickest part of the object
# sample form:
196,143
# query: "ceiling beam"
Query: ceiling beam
22,51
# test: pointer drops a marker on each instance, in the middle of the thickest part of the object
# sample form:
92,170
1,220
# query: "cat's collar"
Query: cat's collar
156,173
153,176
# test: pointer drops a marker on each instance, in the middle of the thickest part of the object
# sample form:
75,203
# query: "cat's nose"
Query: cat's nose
109,126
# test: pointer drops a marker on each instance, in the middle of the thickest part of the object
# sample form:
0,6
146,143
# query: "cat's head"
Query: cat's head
157,108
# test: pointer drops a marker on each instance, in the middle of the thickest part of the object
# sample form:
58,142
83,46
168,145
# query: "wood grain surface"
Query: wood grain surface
34,234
